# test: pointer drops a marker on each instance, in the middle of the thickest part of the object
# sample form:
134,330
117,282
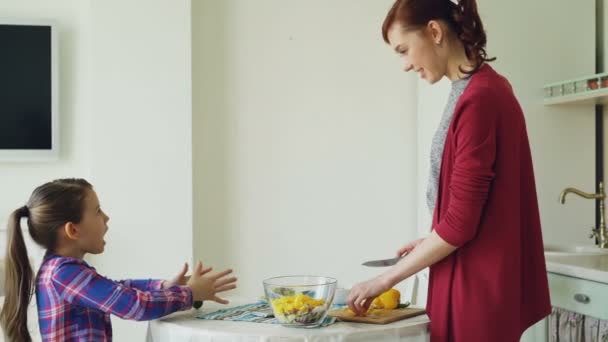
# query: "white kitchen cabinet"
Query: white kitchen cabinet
583,296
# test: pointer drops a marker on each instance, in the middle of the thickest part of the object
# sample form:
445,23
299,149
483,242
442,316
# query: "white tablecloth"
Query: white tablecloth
185,327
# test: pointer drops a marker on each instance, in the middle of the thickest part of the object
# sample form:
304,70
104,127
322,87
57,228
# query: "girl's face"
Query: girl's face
93,226
422,50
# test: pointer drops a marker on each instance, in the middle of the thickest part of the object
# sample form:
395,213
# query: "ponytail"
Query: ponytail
50,206
469,29
19,281
461,16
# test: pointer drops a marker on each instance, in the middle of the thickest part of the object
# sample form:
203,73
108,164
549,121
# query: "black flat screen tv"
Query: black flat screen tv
29,118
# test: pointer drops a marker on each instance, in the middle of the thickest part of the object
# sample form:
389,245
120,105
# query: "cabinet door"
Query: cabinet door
579,295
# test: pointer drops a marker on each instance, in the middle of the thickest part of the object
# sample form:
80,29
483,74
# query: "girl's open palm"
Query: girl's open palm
206,286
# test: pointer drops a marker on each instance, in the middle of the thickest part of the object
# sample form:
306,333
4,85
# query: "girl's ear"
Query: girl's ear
71,231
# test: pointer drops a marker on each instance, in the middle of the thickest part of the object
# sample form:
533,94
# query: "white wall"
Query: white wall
304,139
530,54
140,138
17,180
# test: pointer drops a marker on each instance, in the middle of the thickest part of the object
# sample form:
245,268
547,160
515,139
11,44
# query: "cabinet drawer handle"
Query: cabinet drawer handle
581,298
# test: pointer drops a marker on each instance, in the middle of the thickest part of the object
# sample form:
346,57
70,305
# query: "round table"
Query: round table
184,326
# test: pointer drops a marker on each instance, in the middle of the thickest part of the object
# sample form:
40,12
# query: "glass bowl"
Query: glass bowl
300,301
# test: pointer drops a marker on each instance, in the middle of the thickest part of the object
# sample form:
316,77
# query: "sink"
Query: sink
598,261
574,250
592,267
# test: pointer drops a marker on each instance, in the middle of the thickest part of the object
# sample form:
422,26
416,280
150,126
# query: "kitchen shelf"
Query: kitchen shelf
586,90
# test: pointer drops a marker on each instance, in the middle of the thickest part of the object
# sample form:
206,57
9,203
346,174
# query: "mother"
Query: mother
488,278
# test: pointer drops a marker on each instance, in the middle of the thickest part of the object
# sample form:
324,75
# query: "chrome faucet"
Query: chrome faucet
599,233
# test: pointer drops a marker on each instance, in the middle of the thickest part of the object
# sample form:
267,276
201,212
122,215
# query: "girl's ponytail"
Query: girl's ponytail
19,281
50,206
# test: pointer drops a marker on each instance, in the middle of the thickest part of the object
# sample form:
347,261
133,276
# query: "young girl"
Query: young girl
74,301
488,280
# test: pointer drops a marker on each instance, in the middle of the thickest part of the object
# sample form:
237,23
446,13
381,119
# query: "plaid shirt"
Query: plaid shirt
75,302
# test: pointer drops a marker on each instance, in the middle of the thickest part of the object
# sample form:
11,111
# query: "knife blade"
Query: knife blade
382,262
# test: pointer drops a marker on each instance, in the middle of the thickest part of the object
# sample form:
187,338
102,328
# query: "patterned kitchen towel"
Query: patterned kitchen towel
245,313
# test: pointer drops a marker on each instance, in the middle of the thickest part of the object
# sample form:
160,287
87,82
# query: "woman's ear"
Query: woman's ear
435,31
70,230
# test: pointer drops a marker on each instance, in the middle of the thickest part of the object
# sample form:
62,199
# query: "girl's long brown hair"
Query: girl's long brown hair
50,207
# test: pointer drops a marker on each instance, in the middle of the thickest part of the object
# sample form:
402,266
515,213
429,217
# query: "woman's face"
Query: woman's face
421,49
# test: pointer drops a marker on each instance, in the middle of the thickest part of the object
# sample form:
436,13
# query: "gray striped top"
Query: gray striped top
438,142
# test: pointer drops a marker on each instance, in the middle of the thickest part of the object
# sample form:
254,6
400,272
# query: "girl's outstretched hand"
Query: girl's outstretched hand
181,279
206,286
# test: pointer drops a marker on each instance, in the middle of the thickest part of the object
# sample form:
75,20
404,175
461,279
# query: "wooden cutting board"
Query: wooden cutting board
378,316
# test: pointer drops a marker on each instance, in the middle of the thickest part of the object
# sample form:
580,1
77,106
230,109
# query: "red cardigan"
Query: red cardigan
494,285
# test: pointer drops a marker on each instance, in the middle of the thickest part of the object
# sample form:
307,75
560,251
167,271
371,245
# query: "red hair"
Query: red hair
463,19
